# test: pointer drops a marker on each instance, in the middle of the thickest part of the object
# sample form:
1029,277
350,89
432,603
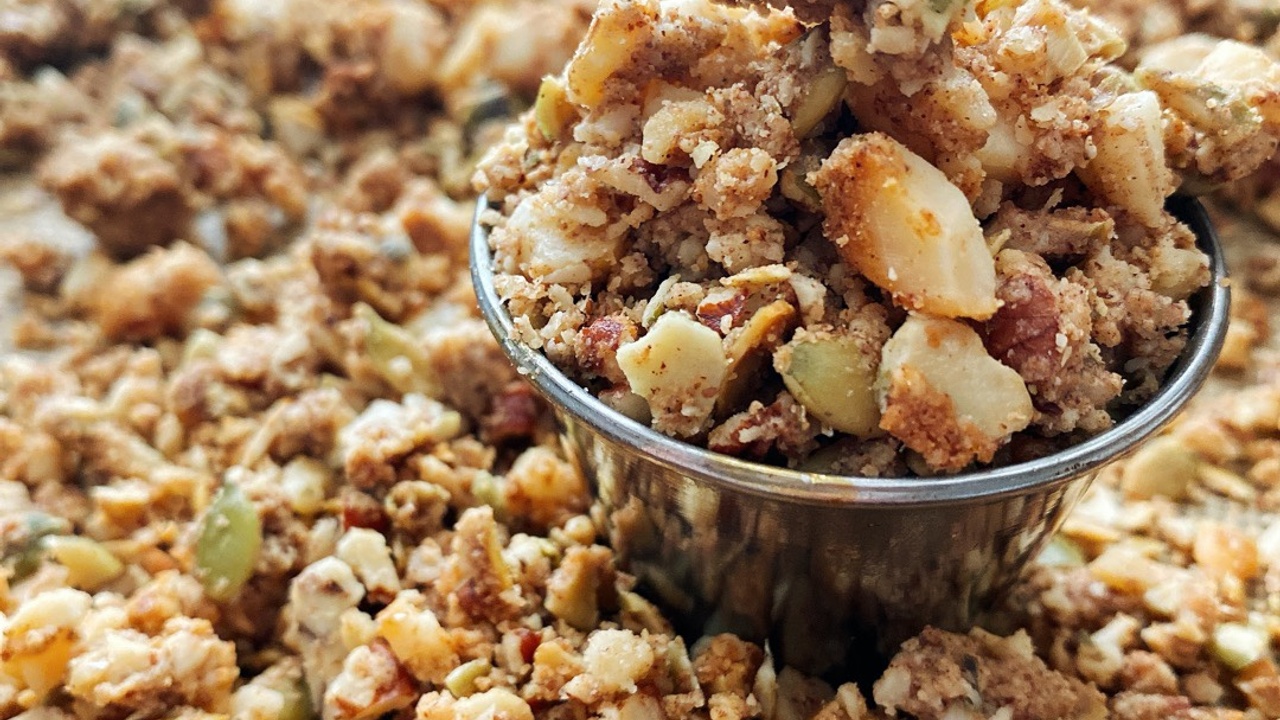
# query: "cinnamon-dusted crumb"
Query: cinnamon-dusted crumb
937,673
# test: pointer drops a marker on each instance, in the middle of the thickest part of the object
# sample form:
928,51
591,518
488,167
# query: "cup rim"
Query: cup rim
1209,316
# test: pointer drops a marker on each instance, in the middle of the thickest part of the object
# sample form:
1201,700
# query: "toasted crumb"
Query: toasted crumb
937,673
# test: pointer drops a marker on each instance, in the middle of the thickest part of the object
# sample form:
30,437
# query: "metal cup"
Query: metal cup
834,572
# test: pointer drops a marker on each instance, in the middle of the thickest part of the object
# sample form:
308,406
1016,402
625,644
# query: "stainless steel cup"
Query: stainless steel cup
832,571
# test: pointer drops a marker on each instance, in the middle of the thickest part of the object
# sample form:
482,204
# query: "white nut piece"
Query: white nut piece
617,659
1129,169
904,225
945,397
678,367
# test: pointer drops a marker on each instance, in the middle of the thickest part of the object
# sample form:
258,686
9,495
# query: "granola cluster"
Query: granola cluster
933,233
1167,28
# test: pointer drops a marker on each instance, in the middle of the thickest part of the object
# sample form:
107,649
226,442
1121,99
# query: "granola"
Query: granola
259,457
1166,28
909,223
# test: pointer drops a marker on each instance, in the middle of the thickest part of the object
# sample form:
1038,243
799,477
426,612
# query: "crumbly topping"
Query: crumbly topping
988,164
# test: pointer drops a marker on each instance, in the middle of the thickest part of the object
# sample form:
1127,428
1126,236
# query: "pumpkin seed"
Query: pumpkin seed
228,545
552,110
823,97
834,379
461,681
396,356
25,556
297,703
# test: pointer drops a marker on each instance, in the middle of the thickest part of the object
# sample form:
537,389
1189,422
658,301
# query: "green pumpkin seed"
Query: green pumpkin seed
396,356
229,542
552,110
823,97
297,703
833,378
461,681
794,187
25,556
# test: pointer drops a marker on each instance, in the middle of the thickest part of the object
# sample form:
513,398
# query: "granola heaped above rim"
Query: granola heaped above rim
907,239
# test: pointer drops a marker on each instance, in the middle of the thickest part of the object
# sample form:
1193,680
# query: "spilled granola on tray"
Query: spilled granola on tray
1161,589
907,226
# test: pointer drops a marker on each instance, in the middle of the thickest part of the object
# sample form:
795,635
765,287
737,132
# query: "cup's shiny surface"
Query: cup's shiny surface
830,569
